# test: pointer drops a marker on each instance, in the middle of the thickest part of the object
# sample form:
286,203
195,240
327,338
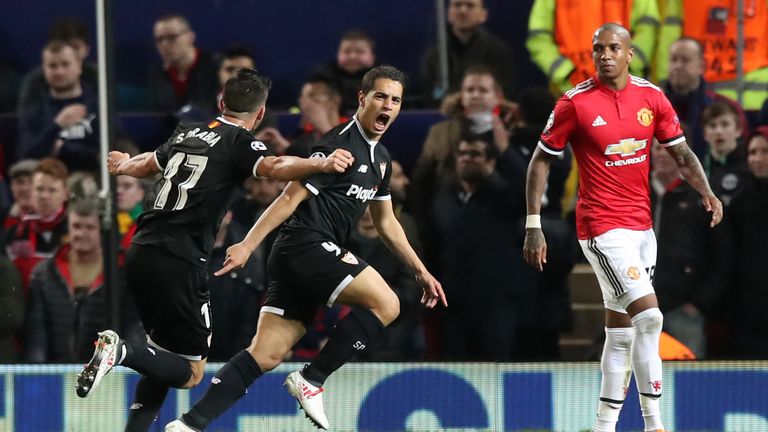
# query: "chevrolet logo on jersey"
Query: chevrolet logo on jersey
626,147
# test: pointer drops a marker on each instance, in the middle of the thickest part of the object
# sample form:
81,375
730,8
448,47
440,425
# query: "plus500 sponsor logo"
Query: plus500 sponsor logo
360,193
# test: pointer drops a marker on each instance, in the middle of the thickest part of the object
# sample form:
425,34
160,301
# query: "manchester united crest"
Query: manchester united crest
645,117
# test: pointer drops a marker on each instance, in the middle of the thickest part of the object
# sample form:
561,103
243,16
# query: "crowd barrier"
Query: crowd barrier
698,396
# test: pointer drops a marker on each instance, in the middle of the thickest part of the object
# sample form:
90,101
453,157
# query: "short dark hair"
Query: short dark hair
695,41
57,46
84,207
481,69
384,71
237,51
491,152
68,28
718,109
246,91
174,16
357,34
332,86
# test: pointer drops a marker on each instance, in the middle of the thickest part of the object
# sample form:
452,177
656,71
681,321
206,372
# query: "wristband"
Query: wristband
533,221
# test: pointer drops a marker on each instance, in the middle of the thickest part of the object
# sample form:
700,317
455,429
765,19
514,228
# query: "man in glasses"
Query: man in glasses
187,75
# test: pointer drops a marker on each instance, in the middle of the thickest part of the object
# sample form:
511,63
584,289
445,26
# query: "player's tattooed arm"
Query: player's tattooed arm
692,171
140,166
535,245
289,168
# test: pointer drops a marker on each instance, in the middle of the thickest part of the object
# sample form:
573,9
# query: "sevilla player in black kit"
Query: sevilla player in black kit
309,265
202,164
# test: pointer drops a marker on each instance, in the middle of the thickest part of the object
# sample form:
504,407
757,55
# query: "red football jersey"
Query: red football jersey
611,133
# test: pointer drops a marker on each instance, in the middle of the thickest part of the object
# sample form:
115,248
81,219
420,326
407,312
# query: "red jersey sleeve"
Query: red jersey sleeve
668,130
561,124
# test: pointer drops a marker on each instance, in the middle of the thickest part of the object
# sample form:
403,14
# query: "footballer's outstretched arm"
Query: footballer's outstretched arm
140,166
289,168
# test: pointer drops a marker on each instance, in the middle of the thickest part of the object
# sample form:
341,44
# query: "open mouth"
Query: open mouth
382,120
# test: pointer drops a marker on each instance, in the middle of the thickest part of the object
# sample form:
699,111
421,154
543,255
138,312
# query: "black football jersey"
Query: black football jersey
341,199
202,165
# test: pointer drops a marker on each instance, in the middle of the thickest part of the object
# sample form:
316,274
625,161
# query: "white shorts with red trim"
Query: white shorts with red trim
623,261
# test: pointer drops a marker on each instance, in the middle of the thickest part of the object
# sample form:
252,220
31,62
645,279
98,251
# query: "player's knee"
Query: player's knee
195,379
648,321
389,309
267,361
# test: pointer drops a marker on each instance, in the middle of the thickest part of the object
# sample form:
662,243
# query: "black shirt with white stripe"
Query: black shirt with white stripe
203,165
341,199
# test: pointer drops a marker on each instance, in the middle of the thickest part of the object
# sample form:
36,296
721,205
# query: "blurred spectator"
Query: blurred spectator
188,76
67,305
73,32
714,24
20,175
320,104
479,107
130,197
725,162
550,304
37,236
693,261
317,334
687,90
239,57
469,44
236,296
478,240
9,87
62,122
354,58
750,235
11,309
763,116
404,338
560,36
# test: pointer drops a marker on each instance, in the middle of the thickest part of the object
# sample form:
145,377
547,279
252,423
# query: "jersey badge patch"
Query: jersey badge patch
258,145
645,117
317,155
349,258
213,124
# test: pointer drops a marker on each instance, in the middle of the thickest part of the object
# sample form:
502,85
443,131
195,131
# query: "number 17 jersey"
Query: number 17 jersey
202,167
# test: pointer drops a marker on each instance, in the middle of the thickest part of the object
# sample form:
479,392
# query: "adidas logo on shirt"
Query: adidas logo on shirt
599,122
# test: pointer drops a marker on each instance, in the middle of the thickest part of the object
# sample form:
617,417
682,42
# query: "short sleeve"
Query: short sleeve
383,193
561,124
163,152
248,153
668,130
318,182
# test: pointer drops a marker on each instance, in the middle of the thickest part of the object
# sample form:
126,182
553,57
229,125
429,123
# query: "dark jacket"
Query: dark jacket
348,84
693,260
727,176
34,87
482,48
61,326
11,310
202,86
38,132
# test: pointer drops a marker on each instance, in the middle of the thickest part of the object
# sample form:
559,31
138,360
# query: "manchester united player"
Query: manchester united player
309,267
610,121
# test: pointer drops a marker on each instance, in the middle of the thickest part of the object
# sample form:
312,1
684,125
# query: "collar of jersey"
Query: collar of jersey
362,132
221,119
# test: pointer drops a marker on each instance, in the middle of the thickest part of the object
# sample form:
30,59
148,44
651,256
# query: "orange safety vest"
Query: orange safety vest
713,23
575,24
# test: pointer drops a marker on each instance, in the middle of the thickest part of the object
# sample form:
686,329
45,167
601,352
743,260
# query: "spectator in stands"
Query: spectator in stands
239,57
37,236
693,261
469,44
478,239
188,75
73,32
63,122
11,309
67,303
130,204
354,58
479,107
715,25
320,104
687,90
404,338
20,175
750,235
725,162
559,35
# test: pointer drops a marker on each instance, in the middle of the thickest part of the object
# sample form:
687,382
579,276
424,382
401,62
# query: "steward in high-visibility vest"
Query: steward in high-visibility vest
713,24
560,35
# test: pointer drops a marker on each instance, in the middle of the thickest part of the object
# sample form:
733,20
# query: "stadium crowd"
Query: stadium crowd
462,204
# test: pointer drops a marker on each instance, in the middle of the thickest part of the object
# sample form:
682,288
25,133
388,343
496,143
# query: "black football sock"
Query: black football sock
351,335
164,367
230,384
146,405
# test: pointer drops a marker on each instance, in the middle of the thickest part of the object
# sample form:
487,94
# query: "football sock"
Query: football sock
164,367
147,402
616,369
351,335
227,387
647,364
